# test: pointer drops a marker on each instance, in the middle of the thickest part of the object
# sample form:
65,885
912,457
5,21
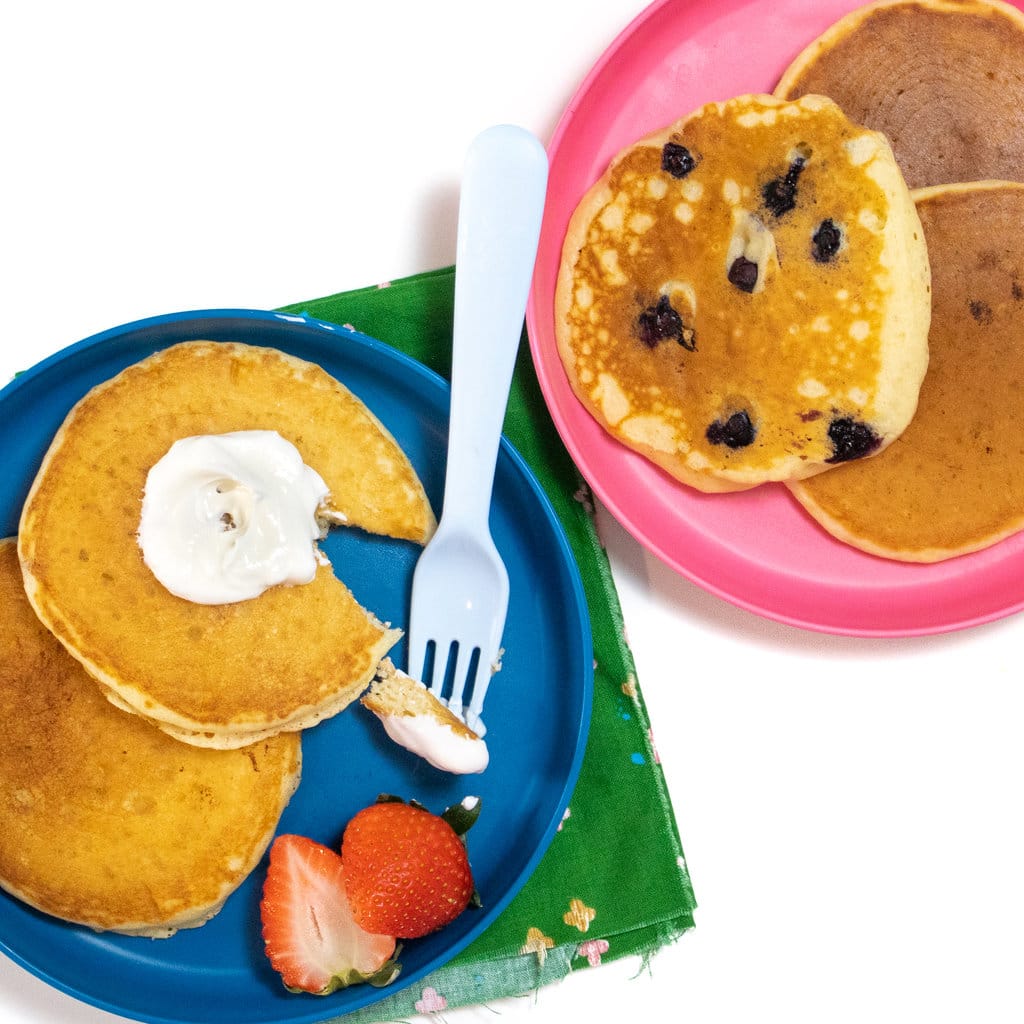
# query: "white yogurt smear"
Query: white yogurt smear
227,516
437,743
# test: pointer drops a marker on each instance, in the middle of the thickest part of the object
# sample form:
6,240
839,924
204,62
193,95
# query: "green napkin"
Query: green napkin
614,881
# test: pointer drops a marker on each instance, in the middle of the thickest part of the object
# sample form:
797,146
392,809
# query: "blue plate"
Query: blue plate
537,712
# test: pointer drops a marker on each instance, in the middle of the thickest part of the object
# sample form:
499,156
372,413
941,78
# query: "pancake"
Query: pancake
954,481
419,721
219,675
943,79
743,295
106,821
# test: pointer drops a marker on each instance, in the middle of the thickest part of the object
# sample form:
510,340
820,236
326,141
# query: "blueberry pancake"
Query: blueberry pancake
743,296
943,79
954,481
106,821
222,674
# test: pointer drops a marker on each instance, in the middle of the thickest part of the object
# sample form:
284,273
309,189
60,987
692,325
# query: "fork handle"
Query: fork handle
500,209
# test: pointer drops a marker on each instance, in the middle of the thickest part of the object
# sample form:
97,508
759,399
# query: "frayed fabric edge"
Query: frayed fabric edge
516,977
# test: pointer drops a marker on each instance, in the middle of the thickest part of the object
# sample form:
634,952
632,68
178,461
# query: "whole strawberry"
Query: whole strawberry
406,870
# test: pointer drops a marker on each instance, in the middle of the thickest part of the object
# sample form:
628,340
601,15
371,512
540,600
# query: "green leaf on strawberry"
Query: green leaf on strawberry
463,815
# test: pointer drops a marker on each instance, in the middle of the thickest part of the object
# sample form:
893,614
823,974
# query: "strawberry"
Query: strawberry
406,870
308,931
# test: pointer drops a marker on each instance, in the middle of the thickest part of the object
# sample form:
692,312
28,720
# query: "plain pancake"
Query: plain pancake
219,675
943,79
394,693
954,481
743,295
106,821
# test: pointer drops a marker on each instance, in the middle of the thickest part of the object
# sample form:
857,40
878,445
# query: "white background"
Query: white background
850,809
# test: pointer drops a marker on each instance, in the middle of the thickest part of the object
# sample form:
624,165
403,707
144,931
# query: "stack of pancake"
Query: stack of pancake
148,744
845,321
944,79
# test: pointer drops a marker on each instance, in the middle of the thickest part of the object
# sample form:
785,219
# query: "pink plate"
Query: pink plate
757,549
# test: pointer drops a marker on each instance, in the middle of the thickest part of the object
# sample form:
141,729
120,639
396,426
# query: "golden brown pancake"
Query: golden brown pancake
220,675
943,79
393,693
954,481
106,821
743,296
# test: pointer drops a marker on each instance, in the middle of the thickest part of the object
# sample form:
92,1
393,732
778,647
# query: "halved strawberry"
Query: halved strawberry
406,869
309,934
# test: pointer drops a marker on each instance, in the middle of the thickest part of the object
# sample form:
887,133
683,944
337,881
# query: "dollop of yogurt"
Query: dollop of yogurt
438,743
227,516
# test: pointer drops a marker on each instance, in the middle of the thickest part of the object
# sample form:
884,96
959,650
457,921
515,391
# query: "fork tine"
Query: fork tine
484,672
463,661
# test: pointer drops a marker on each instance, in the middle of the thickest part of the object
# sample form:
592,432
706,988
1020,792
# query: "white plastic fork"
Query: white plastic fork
460,586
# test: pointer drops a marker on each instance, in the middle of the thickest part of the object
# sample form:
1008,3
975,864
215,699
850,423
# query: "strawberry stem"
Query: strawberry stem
462,816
